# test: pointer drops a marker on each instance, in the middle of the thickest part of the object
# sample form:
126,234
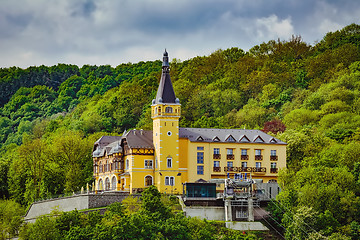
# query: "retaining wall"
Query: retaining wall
79,202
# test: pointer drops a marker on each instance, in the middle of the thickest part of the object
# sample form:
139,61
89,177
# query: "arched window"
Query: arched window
113,183
148,181
100,185
168,110
107,184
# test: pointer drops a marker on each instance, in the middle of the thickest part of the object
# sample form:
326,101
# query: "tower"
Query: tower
165,112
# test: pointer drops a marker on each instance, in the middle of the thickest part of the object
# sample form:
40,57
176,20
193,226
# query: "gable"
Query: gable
258,139
244,138
230,138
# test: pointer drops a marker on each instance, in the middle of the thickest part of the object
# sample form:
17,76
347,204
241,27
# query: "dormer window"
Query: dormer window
230,139
244,138
216,139
258,139
200,138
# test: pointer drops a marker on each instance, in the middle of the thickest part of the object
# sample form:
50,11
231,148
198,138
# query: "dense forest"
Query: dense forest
308,96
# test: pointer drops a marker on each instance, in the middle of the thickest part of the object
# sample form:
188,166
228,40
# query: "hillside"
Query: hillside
308,96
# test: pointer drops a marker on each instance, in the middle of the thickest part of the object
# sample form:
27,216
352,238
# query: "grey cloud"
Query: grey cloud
111,32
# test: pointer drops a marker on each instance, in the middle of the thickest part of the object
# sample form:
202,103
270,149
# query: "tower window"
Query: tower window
168,110
169,162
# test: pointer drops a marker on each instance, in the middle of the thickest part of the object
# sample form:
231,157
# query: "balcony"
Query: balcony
217,156
216,169
245,169
258,157
273,158
244,157
230,157
259,170
231,169
273,170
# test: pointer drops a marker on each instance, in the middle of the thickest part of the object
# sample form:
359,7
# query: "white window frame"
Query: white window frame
148,164
258,152
218,164
230,164
244,152
230,151
273,165
272,152
169,181
127,164
216,150
244,164
169,160
258,164
172,181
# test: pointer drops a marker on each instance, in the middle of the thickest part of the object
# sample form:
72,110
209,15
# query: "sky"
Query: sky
101,32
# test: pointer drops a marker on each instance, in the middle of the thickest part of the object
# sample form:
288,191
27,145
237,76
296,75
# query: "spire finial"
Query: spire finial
165,64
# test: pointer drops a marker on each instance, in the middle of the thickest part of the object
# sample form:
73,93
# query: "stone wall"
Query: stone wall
105,199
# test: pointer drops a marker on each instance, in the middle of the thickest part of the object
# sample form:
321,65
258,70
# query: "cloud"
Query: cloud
272,27
35,32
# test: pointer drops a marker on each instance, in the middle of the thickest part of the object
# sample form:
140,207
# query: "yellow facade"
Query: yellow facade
169,156
270,165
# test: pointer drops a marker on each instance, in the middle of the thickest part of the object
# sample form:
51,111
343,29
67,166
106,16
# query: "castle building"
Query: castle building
169,156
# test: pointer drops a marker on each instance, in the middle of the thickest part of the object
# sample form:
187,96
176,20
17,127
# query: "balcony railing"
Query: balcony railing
217,156
273,170
259,170
273,158
217,169
246,169
258,157
238,169
244,157
230,157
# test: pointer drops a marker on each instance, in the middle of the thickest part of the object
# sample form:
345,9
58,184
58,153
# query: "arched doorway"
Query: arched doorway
113,183
148,181
100,185
107,184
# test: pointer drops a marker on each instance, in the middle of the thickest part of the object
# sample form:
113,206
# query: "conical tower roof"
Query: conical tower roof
165,92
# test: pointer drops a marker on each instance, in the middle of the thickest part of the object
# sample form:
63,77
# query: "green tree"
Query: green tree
11,218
